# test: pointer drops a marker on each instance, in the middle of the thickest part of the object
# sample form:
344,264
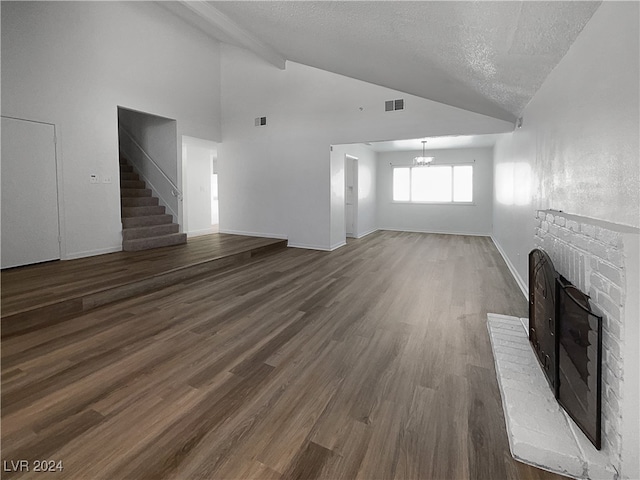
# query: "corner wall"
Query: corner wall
577,152
73,63
367,221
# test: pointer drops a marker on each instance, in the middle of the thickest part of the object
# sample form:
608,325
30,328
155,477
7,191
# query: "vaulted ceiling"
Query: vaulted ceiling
485,57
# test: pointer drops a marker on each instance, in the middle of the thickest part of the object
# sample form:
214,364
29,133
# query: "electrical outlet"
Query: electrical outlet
106,179
93,178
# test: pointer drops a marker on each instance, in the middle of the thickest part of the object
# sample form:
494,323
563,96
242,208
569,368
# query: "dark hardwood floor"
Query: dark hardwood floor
370,362
40,295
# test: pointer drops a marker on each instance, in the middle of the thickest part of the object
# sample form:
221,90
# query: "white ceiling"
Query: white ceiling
436,143
486,57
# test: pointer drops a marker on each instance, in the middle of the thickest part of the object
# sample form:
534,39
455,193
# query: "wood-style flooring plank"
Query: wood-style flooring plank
369,362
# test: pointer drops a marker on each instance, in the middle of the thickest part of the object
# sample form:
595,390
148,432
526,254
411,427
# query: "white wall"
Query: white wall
631,353
578,148
73,63
451,218
276,180
157,136
196,162
513,206
578,152
367,221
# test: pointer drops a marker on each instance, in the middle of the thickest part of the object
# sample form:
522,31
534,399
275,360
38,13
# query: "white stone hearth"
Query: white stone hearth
540,432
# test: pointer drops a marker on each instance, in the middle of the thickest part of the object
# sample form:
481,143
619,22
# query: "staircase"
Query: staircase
145,224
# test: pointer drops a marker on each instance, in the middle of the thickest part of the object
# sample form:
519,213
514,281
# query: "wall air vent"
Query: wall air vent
261,121
391,105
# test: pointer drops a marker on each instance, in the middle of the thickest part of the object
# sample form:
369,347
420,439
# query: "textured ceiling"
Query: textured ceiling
486,57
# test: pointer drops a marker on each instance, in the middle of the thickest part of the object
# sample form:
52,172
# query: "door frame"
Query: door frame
187,188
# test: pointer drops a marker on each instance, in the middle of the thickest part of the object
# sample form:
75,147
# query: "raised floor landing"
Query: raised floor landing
37,294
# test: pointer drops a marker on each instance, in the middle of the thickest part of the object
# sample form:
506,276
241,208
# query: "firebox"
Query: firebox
566,336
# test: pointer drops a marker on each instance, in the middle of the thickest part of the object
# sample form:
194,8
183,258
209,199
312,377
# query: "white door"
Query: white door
350,194
30,229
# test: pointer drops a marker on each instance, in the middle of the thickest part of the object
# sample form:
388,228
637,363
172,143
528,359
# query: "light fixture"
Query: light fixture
423,160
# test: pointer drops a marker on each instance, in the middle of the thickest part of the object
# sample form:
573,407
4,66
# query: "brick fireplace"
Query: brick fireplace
597,257
591,255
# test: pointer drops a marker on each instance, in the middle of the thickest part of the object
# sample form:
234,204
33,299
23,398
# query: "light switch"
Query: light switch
106,179
93,178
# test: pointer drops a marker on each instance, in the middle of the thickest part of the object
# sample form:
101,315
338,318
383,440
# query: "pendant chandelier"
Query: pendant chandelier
423,161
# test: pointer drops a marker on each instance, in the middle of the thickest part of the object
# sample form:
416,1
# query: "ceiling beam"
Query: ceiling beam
237,34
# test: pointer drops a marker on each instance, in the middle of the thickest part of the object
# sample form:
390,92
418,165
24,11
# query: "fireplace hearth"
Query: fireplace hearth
540,431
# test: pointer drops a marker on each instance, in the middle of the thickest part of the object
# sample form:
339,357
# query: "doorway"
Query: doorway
200,173
215,208
150,143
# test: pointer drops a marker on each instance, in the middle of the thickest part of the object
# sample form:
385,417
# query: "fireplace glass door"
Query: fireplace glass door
542,313
579,359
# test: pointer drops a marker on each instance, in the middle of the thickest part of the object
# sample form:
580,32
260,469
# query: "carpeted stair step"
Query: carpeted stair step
129,176
138,201
135,192
145,221
142,211
145,225
150,231
132,184
154,242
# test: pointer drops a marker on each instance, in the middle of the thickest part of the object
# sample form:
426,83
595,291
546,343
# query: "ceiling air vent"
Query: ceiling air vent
261,121
391,105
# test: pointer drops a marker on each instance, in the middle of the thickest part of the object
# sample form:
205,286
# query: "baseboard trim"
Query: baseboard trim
367,233
254,234
336,246
512,269
197,233
92,253
439,232
316,247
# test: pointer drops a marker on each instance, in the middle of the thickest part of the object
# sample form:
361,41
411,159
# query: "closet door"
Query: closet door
30,229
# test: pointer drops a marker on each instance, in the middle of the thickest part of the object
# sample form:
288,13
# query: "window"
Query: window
434,184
